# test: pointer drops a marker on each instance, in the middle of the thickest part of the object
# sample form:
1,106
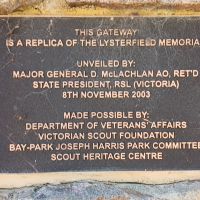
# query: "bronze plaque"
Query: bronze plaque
93,94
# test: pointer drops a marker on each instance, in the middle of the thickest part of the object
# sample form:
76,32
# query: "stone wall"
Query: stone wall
8,6
114,1
137,1
105,191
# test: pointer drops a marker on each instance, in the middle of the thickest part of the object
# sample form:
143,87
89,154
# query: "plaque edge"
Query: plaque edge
19,180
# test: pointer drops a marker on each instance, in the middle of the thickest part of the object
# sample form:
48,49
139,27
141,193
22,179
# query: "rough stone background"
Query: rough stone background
8,6
105,191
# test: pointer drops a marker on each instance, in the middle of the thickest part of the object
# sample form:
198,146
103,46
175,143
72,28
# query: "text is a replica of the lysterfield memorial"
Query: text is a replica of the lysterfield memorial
80,94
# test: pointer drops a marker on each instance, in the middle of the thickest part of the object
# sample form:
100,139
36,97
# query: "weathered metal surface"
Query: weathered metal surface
24,105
